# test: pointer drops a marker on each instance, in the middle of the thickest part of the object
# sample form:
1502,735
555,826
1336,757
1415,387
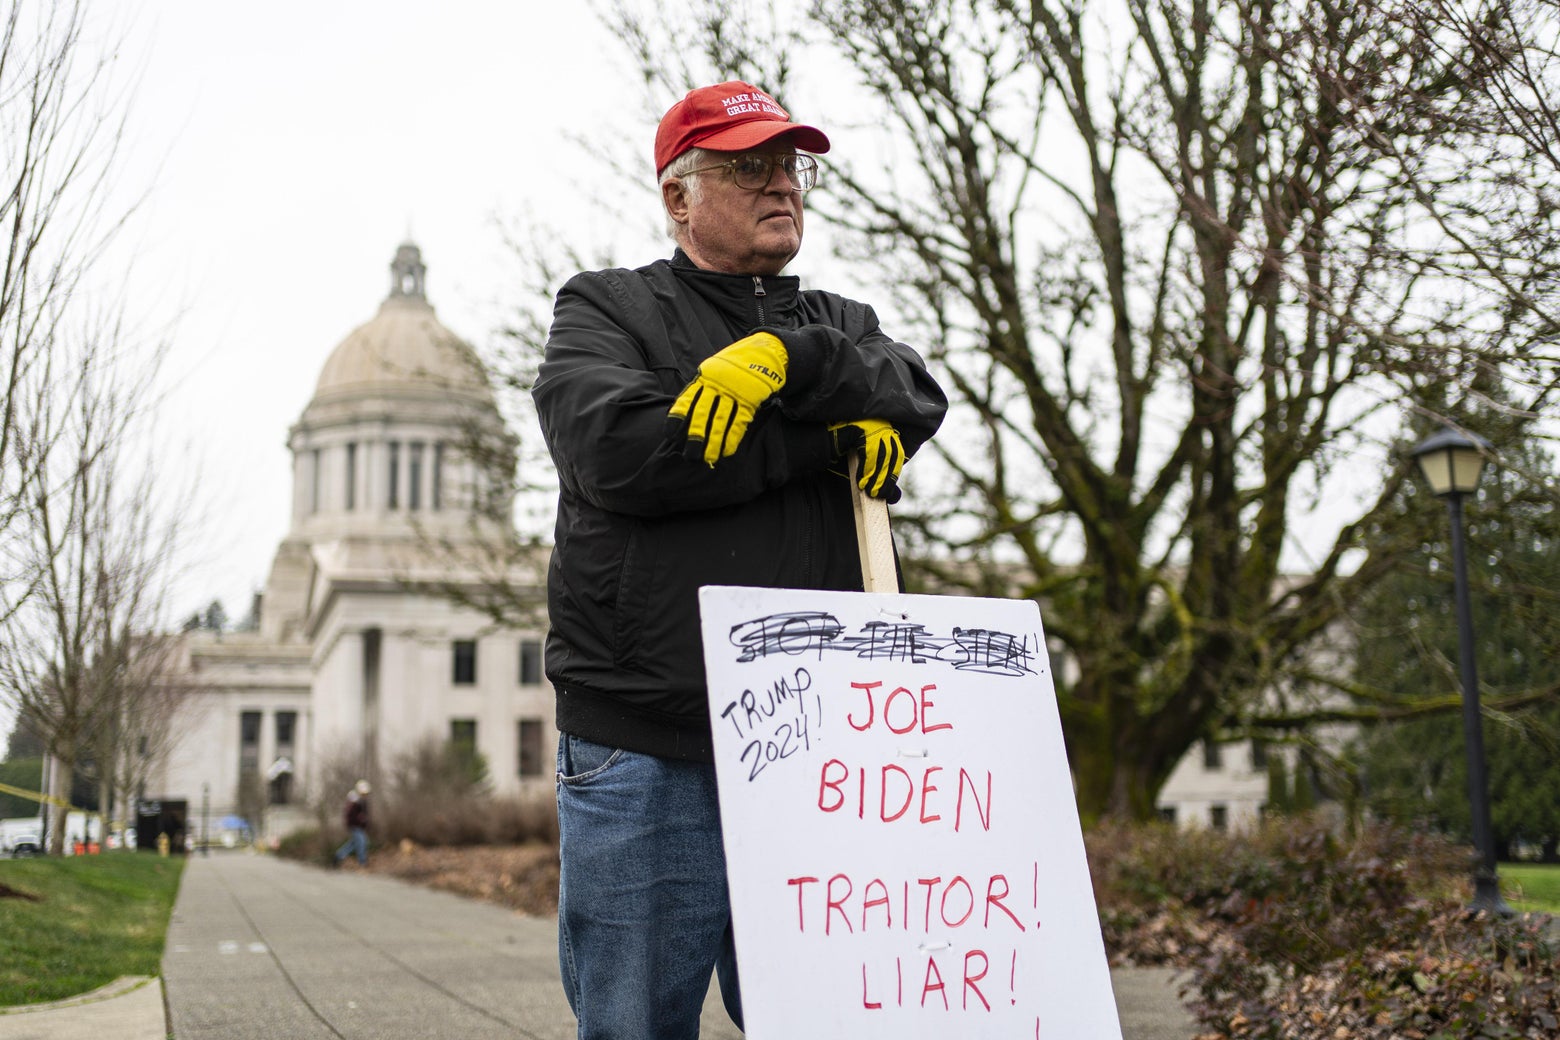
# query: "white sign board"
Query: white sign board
901,836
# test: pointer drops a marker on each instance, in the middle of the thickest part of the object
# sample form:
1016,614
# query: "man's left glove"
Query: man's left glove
718,405
882,455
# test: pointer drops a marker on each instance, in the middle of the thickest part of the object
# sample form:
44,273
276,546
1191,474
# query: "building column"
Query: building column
300,498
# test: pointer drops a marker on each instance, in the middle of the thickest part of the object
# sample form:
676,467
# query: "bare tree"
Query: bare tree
141,733
82,551
483,563
62,119
136,702
93,552
1185,268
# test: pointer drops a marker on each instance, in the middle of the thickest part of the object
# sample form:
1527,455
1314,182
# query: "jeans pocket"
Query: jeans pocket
580,760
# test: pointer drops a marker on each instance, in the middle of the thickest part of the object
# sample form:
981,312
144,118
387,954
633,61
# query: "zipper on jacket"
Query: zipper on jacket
758,297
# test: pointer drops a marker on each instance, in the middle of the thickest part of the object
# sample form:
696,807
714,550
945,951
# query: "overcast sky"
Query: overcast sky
287,150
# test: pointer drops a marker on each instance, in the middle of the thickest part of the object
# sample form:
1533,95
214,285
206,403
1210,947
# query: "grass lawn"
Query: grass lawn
81,921
1531,886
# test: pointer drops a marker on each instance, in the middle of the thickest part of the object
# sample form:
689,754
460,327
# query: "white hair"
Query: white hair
678,168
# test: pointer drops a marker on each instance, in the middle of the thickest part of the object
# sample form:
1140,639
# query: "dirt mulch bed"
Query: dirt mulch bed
521,877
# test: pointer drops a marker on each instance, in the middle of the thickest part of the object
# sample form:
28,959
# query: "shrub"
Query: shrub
449,770
477,819
522,820
439,795
1145,880
1295,932
311,844
435,793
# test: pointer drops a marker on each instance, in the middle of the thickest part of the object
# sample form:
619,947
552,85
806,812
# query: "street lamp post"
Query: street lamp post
1451,462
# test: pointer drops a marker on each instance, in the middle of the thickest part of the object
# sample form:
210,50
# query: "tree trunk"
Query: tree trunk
62,775
105,813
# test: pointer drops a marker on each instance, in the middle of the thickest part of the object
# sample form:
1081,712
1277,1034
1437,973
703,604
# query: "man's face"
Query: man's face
739,230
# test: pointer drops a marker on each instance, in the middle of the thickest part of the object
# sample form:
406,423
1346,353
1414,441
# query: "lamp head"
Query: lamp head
1452,461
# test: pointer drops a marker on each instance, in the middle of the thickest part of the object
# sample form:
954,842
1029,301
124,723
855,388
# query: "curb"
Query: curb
118,988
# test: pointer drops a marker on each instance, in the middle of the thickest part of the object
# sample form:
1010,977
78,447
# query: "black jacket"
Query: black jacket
641,526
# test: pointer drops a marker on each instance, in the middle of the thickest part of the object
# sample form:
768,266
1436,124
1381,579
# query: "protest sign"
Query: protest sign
901,836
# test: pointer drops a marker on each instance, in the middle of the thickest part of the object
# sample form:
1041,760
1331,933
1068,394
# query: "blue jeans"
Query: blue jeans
643,914
355,845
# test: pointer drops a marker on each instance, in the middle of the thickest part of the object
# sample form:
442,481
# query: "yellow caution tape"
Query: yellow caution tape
37,796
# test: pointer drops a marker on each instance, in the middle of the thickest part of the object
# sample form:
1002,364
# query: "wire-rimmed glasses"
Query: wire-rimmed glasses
752,170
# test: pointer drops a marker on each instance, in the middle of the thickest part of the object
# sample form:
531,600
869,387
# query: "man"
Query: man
355,816
700,412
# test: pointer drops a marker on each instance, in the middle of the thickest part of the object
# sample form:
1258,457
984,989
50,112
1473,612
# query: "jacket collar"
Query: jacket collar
738,295
682,262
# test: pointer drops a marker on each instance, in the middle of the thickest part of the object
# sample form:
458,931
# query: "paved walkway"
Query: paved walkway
264,949
130,1008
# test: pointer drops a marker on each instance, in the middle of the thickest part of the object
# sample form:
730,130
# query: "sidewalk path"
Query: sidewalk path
129,1008
262,948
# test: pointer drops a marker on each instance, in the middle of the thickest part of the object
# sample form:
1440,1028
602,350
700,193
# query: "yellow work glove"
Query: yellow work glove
882,455
718,405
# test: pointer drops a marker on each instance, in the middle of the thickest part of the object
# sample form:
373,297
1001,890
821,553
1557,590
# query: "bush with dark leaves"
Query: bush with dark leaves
1295,932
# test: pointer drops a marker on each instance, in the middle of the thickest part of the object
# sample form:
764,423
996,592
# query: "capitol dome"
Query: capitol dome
404,348
403,435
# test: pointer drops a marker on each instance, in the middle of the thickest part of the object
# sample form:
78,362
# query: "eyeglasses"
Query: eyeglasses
752,171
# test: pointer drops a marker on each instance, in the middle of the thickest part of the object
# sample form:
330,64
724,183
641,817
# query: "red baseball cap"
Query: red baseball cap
728,117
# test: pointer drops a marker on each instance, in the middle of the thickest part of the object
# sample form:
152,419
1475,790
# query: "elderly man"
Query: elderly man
700,412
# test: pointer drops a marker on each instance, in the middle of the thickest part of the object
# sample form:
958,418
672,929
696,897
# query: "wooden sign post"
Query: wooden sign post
902,841
874,538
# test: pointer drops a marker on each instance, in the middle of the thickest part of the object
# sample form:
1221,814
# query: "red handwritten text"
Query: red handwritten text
897,789
903,711
934,987
843,903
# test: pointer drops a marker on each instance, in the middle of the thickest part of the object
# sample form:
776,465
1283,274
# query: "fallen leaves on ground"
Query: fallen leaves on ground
520,877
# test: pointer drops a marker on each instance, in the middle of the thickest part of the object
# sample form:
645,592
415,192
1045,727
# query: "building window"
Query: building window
1258,754
465,662
530,662
249,743
1219,817
1166,814
414,465
1213,755
436,492
393,497
280,774
531,763
351,475
286,728
463,734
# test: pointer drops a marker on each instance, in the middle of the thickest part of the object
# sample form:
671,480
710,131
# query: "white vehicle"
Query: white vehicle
20,836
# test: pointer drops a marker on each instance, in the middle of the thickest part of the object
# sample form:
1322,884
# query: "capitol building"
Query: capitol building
365,641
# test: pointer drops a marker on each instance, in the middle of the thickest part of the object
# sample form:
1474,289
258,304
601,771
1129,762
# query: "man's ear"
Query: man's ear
675,198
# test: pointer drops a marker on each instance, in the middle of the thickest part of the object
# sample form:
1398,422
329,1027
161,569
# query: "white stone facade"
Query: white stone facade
360,651
1219,785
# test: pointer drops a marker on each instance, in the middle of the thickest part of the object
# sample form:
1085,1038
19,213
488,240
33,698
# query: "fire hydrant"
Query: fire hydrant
162,844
